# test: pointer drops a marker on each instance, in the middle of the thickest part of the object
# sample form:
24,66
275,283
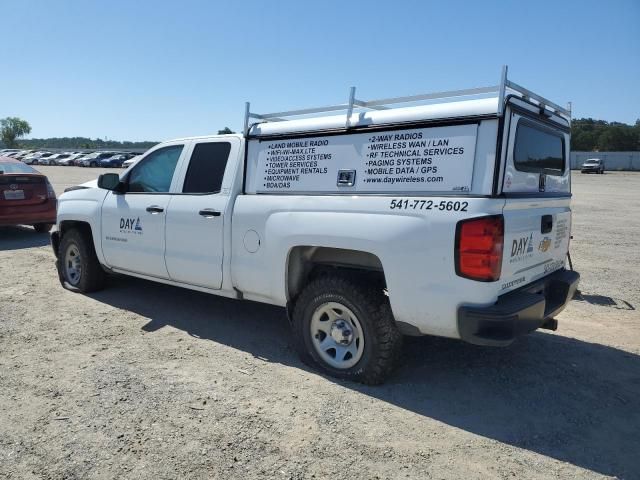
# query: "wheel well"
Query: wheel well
307,262
69,224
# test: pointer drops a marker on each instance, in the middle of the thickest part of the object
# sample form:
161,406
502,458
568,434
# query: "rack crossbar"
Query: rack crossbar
541,100
431,96
384,104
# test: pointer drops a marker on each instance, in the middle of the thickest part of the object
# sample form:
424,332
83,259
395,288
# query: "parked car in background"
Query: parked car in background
9,151
66,162
116,161
93,160
36,158
53,159
30,157
593,165
21,154
131,161
72,158
26,196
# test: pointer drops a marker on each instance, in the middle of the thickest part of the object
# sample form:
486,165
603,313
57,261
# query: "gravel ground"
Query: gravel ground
143,380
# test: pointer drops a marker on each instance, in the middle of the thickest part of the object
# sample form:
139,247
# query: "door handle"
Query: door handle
546,225
155,209
209,212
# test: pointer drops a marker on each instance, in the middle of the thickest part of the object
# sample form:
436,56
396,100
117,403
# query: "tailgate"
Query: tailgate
21,190
536,240
537,189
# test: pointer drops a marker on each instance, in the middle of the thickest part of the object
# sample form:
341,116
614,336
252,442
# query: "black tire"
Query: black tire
382,339
93,164
42,227
92,276
35,162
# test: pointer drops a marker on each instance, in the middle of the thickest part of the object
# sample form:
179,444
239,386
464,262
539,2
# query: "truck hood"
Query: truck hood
82,186
90,184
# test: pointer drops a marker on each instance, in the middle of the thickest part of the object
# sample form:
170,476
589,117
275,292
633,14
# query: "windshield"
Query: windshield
16,168
592,162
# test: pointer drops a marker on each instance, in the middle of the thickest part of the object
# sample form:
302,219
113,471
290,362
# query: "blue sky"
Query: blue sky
136,70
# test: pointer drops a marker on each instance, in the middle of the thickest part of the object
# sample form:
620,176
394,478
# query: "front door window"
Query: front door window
154,173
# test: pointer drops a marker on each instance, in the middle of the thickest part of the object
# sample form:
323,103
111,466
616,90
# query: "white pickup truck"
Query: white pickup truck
450,218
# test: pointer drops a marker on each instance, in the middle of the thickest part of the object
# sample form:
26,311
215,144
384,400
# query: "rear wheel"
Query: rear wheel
78,267
93,164
346,328
42,227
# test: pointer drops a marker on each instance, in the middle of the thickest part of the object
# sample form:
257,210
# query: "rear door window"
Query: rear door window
206,167
538,150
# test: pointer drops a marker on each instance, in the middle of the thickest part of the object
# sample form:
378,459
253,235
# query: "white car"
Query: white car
449,219
131,161
36,157
53,159
71,158
9,152
21,154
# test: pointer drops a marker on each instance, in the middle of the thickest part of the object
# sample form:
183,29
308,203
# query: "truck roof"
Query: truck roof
476,102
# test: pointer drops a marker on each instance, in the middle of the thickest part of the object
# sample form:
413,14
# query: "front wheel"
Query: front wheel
78,267
346,328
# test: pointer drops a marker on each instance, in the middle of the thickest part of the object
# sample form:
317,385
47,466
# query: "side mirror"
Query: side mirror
110,181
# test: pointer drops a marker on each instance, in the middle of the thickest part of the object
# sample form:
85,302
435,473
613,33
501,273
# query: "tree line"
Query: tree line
587,135
12,128
590,135
83,143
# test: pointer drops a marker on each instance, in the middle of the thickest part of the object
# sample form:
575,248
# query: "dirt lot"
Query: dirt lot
149,381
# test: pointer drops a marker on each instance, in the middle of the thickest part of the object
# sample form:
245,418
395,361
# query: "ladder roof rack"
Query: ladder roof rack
505,87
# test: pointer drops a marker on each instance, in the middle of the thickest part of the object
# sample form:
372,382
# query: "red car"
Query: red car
26,196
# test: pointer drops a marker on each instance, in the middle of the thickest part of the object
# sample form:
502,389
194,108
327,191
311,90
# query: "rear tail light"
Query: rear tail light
51,193
478,251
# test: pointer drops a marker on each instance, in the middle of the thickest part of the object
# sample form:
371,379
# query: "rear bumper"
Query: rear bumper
29,214
518,313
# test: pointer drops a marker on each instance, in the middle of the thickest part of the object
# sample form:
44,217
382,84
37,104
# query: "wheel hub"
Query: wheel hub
337,335
341,332
73,265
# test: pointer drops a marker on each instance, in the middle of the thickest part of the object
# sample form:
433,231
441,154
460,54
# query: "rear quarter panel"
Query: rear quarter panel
414,245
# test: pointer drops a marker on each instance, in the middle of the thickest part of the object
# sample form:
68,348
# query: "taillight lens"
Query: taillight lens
479,243
51,193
